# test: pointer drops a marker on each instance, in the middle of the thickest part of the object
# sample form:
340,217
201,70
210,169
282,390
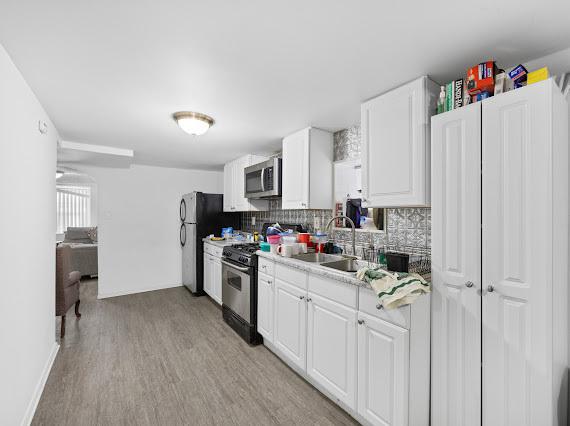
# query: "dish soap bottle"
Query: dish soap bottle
441,101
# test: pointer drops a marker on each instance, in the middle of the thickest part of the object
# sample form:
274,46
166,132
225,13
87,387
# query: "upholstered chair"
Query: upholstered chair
66,285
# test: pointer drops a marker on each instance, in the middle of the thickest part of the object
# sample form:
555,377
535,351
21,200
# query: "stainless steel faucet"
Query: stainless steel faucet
341,216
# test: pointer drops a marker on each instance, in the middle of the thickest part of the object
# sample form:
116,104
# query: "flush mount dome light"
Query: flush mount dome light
193,123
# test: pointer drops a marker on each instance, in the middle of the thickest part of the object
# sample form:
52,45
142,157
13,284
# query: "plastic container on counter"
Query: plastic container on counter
274,239
265,246
289,239
304,237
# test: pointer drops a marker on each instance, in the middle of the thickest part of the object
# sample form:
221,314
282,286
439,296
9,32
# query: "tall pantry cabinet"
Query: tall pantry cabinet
500,260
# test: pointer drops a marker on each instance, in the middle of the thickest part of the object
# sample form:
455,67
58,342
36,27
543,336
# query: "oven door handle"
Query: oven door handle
239,268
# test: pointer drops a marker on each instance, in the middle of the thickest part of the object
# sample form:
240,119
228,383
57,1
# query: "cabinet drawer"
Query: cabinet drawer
334,290
266,266
213,250
368,301
291,275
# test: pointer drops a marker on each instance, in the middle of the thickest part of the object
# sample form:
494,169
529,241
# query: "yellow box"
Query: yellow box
536,76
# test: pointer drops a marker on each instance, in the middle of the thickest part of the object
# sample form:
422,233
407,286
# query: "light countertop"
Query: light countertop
315,268
222,243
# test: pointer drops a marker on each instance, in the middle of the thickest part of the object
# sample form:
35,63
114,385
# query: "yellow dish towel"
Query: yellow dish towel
394,289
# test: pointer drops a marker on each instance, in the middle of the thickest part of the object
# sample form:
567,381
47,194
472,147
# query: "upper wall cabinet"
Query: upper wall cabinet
308,170
234,198
396,146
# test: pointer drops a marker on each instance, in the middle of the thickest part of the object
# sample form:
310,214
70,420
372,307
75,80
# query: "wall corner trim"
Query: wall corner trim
31,410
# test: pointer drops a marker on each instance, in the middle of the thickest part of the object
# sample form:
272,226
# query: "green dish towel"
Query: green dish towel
394,289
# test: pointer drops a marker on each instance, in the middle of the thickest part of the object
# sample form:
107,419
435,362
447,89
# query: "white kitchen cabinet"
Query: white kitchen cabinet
228,202
331,347
265,304
456,267
290,323
213,272
396,146
216,284
383,371
518,318
234,186
208,274
308,170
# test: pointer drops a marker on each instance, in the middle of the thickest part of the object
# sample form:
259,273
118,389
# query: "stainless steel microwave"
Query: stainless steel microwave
263,180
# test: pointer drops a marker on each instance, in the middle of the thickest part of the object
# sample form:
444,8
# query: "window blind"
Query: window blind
73,206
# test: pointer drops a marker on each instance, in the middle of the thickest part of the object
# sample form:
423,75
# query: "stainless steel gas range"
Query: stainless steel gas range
239,290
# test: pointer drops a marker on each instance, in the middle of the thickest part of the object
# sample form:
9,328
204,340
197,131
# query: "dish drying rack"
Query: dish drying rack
419,257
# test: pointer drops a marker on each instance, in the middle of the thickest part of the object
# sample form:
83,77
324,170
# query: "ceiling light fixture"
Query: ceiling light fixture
193,123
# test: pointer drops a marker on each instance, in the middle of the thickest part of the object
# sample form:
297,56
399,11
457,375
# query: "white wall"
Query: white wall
139,224
27,247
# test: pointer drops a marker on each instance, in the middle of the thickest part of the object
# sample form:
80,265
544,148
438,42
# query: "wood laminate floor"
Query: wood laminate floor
167,358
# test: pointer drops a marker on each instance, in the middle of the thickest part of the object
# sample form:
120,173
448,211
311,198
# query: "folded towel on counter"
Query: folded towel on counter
394,289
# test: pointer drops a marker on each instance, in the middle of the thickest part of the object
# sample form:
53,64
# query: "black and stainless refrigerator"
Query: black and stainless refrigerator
200,215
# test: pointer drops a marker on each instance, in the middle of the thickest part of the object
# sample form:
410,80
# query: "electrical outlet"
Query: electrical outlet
253,221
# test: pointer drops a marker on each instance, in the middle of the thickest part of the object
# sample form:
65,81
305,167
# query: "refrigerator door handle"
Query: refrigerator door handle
183,234
183,209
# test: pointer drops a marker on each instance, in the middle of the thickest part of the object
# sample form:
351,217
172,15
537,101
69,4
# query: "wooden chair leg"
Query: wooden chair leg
77,314
62,333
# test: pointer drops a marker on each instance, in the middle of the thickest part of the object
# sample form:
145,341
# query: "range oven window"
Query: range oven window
253,182
234,280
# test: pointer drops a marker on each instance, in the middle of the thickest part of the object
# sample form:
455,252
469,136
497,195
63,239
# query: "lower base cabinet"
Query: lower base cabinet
373,363
383,371
290,326
216,274
331,347
265,311
213,277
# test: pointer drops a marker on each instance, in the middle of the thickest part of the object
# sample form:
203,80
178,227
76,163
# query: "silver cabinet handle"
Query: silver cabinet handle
269,282
490,288
309,299
360,322
469,284
301,297
379,306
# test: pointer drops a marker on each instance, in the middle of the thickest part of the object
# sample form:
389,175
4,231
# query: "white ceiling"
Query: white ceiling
113,72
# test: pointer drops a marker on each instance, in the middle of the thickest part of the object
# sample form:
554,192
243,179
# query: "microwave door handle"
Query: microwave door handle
263,180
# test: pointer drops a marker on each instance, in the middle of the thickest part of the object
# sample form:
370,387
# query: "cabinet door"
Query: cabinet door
290,330
383,370
265,309
216,283
517,258
228,187
208,274
331,347
456,267
241,203
295,190
395,147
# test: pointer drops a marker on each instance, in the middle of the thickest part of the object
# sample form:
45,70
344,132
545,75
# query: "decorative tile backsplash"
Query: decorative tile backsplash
347,144
312,220
404,226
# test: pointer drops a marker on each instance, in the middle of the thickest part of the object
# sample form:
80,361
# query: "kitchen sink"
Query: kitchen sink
316,257
345,265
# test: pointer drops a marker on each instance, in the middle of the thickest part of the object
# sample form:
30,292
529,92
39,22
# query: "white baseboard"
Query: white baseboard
127,292
31,410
